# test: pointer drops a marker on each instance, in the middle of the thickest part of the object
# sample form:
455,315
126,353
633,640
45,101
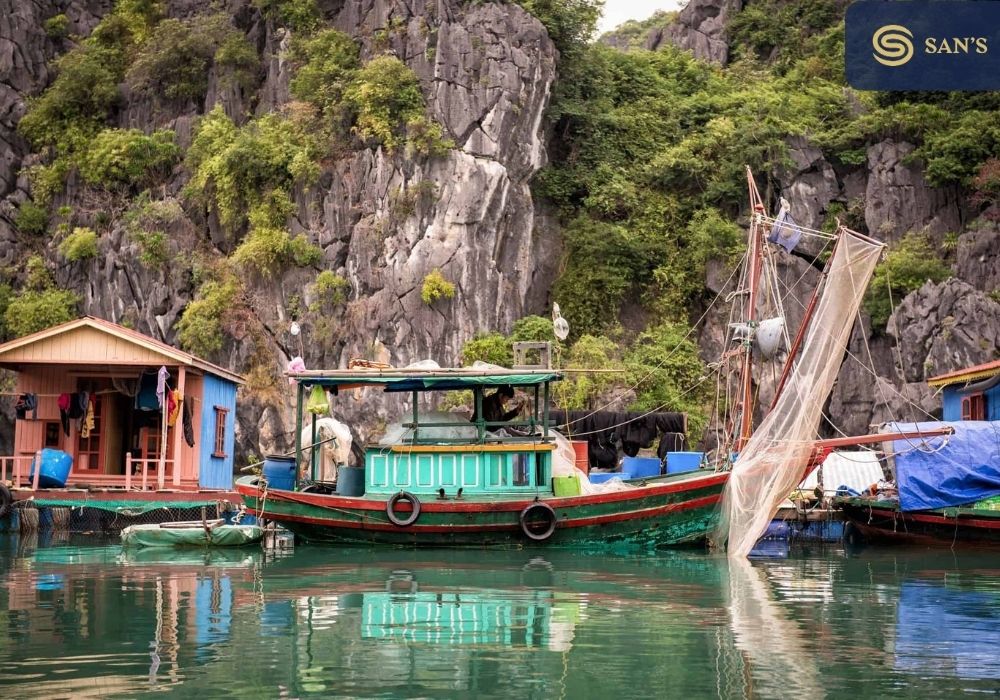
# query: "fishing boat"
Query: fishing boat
944,490
508,484
195,533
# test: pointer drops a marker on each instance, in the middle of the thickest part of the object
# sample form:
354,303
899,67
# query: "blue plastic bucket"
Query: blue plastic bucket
351,481
54,470
279,472
680,462
640,467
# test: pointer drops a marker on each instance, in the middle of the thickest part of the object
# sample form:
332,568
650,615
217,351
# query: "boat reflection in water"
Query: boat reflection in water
88,620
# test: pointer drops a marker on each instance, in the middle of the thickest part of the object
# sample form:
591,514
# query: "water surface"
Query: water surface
80,618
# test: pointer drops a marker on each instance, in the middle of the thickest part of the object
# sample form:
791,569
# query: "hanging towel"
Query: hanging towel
64,402
187,421
145,399
785,232
88,420
25,403
161,386
174,399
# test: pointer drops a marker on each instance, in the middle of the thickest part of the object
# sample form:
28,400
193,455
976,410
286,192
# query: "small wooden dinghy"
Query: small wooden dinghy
196,533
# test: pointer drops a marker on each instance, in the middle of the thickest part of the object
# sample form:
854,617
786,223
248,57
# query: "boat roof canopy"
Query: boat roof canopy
398,380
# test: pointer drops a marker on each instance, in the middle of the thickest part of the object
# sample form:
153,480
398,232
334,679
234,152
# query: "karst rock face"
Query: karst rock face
486,71
384,220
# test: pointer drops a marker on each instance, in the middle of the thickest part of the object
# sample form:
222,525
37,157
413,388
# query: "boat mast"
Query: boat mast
754,264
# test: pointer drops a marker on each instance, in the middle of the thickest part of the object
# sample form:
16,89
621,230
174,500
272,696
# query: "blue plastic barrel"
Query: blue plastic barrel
54,470
680,462
351,481
640,467
279,472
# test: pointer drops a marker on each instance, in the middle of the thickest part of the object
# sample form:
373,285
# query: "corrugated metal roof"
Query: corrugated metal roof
969,374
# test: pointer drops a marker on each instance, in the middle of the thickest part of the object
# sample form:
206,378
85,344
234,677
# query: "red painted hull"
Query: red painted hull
679,510
881,521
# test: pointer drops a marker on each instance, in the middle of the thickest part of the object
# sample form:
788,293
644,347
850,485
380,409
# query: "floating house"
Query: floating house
89,388
972,393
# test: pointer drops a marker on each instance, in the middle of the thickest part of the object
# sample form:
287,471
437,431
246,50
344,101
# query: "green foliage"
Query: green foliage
493,348
36,276
174,61
235,168
239,61
57,27
300,15
907,266
779,31
664,366
32,311
329,290
581,390
569,23
267,249
532,329
200,327
953,155
146,222
39,305
599,267
78,101
326,63
986,184
633,33
128,157
425,137
81,244
31,219
436,287
386,96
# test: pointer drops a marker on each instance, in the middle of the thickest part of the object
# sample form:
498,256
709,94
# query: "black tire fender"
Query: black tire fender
531,514
390,509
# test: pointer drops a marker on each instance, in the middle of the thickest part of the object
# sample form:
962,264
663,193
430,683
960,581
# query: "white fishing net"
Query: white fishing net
564,464
774,460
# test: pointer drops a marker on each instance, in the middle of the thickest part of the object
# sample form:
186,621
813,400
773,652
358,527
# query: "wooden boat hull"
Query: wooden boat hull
193,536
883,521
672,511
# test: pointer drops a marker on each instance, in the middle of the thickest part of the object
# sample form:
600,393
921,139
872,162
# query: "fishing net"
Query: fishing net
775,458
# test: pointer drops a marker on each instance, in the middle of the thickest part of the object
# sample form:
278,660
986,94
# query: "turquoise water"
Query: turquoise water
79,618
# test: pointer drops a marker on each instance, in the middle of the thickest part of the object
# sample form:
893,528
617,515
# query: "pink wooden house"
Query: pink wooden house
125,447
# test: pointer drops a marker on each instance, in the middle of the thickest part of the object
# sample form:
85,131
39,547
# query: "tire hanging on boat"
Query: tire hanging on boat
390,509
5,500
534,515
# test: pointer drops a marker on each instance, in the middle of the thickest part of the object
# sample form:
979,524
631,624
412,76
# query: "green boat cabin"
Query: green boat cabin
481,464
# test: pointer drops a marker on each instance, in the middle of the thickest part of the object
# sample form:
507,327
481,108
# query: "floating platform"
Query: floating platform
111,510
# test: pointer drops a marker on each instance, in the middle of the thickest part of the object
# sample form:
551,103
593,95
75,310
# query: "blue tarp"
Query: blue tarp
953,470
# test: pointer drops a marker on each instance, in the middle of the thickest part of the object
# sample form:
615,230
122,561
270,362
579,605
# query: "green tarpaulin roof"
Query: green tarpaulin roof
424,380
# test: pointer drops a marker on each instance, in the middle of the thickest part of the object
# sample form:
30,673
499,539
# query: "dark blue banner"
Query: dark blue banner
923,45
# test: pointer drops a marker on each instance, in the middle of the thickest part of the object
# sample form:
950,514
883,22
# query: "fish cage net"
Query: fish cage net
79,518
773,461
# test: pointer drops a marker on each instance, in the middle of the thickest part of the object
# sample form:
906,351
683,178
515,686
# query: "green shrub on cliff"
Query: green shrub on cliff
174,62
326,63
386,96
436,287
234,168
200,327
128,157
31,218
907,266
81,244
